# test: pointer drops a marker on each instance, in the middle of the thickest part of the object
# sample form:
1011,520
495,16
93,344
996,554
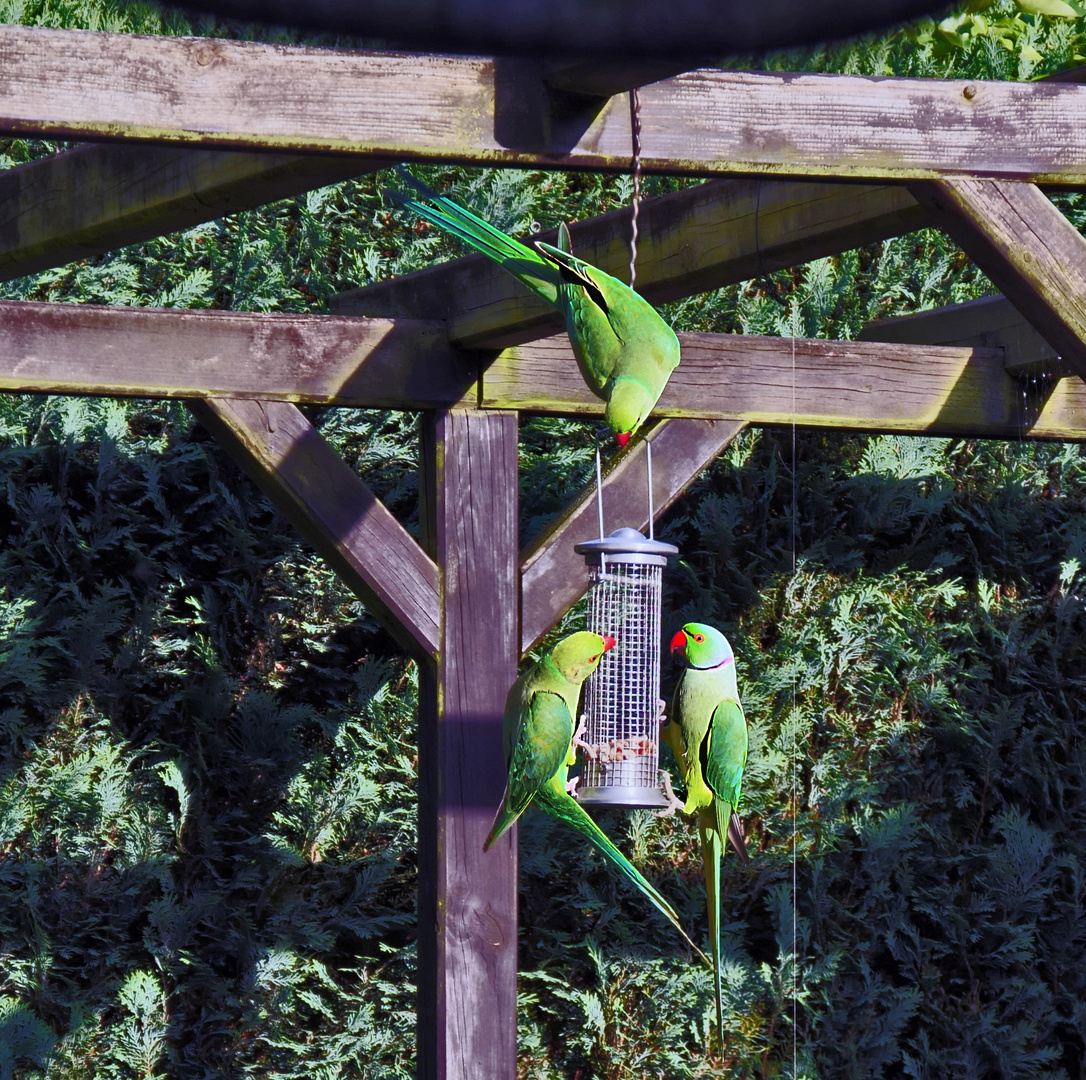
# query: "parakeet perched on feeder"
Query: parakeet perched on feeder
538,736
625,350
708,735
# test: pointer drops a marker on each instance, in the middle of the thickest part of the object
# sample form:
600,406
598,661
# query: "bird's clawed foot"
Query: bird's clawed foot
590,752
673,802
571,785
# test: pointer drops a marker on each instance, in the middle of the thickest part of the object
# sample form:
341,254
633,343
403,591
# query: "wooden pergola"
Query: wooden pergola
797,167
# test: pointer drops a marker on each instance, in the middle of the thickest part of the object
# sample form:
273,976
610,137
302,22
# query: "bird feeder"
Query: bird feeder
621,741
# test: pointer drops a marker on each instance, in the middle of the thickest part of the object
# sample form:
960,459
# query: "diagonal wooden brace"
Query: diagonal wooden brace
1026,246
553,575
334,510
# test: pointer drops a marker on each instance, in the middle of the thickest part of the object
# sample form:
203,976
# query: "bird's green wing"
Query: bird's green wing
725,759
554,799
543,733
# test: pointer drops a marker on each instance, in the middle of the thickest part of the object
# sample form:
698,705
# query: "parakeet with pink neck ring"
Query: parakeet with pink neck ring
707,733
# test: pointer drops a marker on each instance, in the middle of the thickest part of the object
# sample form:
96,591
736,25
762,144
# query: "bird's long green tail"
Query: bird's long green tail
526,265
713,824
566,809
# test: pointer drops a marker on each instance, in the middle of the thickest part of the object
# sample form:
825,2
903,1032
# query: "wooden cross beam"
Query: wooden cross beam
859,386
989,322
212,92
129,192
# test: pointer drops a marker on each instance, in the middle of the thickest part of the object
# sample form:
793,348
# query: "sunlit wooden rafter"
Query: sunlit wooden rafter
90,86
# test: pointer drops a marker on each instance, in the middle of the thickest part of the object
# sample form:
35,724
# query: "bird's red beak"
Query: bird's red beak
622,438
608,642
679,641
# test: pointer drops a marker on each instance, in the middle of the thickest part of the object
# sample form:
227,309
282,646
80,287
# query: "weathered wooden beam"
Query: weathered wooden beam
1027,247
553,575
468,897
332,508
992,322
853,385
862,386
92,199
150,352
212,92
693,240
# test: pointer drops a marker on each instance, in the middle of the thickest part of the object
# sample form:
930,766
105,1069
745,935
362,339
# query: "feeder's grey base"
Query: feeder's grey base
628,798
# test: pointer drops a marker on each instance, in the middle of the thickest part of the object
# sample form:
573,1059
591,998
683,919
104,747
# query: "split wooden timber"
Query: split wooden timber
211,92
151,352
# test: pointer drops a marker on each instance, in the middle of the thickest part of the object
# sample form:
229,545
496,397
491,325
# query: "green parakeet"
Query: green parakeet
625,350
708,735
538,738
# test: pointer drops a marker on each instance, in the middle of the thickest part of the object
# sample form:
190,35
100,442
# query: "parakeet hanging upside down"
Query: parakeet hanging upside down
538,734
707,733
625,350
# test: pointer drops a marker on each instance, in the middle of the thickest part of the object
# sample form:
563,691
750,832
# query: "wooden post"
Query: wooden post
467,898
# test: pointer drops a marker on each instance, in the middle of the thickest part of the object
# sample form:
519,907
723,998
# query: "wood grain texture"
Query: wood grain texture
701,238
1027,247
83,85
857,386
991,322
553,576
468,897
149,352
130,193
331,506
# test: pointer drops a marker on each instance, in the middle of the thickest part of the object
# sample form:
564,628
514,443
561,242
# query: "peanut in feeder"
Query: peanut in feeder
621,740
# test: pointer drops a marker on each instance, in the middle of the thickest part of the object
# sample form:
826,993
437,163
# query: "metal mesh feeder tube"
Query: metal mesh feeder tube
622,722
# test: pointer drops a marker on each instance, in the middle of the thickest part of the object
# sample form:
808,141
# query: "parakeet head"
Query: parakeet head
578,655
628,404
701,646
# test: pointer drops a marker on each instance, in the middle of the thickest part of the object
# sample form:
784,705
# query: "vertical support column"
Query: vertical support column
468,898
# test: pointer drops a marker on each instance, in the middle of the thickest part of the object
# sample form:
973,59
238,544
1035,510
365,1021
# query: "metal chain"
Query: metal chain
635,166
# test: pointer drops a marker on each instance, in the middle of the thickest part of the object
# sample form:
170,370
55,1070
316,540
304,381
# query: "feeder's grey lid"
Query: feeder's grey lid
627,545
